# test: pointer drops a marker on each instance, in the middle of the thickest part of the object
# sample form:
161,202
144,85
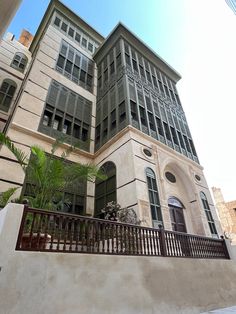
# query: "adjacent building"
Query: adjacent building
7,12
119,100
15,58
227,214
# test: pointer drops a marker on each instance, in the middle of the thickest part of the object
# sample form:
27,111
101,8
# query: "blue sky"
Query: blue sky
197,38
155,23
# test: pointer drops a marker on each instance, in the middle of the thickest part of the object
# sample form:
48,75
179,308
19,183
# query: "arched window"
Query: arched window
154,198
7,92
176,214
210,219
19,61
105,190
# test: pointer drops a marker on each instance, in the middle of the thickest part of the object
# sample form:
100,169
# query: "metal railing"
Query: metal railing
61,232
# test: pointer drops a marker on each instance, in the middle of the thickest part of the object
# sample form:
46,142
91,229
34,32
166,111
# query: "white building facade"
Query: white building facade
119,100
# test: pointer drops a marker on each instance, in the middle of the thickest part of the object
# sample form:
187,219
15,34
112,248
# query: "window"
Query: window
64,27
113,119
90,47
134,112
77,37
66,113
84,42
122,112
105,190
7,92
208,213
19,61
57,21
71,32
75,66
75,33
142,114
154,198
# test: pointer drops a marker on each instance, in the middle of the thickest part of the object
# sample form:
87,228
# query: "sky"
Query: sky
197,38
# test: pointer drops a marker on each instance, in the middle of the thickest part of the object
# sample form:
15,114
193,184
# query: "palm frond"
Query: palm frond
6,195
19,154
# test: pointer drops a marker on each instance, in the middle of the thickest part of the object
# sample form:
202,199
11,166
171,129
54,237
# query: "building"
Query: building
119,99
232,5
7,12
227,214
14,62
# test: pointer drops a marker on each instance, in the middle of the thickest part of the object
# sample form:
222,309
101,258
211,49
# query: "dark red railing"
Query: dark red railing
60,232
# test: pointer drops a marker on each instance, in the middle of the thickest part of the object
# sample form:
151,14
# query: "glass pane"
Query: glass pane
153,212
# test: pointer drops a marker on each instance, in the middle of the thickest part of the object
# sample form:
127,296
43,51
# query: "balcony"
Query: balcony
60,232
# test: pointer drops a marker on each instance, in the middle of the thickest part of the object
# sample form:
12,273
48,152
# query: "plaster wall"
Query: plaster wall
9,46
35,282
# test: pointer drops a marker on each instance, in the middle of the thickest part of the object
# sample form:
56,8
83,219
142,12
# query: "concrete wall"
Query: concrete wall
49,283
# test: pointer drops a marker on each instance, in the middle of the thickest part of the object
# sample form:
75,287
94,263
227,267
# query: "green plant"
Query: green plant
49,174
6,195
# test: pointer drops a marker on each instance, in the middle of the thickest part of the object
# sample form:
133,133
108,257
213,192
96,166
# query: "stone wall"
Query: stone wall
35,282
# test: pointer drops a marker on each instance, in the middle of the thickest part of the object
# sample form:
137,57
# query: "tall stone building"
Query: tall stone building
227,214
119,98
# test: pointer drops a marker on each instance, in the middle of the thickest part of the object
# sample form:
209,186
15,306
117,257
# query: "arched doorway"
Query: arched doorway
176,214
105,190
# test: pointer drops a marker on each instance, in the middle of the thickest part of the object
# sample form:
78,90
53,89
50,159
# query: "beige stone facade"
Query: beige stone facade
125,147
227,214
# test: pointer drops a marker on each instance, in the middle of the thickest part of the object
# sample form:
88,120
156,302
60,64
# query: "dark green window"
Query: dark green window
154,198
67,114
75,66
208,213
7,92
105,190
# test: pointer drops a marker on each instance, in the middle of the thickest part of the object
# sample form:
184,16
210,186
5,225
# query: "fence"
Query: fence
61,232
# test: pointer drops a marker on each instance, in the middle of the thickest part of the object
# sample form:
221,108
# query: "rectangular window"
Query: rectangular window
75,66
122,112
127,59
174,135
64,27
69,119
159,126
77,37
167,131
57,21
112,68
133,108
90,47
113,119
151,121
118,61
71,32
142,114
84,42
135,67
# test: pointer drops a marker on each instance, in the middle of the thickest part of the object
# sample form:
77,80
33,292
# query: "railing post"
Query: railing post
161,233
225,247
21,230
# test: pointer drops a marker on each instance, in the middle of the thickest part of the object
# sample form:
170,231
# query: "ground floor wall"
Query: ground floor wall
36,282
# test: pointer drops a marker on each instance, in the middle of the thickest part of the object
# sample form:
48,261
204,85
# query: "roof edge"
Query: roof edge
121,26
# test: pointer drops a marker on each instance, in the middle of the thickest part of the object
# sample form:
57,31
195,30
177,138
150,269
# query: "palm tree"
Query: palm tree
48,175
